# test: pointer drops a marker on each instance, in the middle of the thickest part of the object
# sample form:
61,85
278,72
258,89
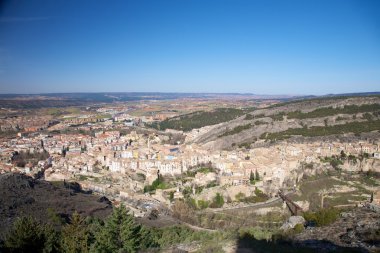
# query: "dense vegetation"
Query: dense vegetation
336,160
251,117
322,217
199,119
203,169
278,117
206,170
246,145
333,161
236,130
258,197
329,111
159,183
118,233
353,127
254,177
321,99
121,233
260,122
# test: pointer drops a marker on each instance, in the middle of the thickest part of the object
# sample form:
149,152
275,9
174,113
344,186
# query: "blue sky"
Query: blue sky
255,46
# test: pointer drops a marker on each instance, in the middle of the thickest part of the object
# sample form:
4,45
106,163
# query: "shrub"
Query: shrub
182,211
212,184
352,158
245,145
335,163
203,204
249,117
258,197
308,165
159,183
322,217
340,118
192,203
278,117
260,122
298,228
236,130
218,201
171,196
368,116
240,196
206,170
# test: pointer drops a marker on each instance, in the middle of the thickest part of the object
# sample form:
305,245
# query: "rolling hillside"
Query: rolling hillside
321,117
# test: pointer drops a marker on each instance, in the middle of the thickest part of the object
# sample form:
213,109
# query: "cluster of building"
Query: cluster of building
110,154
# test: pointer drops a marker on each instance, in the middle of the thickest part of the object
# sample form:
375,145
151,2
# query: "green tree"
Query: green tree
54,218
159,183
120,233
252,177
26,235
75,235
52,240
257,176
218,201
343,155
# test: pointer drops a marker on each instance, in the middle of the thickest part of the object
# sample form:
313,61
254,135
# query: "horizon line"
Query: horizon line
206,93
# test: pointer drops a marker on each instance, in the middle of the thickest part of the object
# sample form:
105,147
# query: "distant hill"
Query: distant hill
358,94
316,117
31,101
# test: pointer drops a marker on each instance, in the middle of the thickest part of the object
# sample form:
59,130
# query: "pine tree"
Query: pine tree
75,235
257,176
120,233
26,235
251,177
218,201
52,240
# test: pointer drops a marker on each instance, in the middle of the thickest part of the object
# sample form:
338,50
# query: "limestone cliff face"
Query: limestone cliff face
292,177
365,165
295,174
262,121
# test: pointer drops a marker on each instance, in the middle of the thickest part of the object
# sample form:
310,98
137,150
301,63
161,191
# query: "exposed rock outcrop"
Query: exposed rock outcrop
292,222
357,228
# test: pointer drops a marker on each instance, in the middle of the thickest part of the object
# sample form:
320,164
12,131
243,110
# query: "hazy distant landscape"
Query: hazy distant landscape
202,126
230,167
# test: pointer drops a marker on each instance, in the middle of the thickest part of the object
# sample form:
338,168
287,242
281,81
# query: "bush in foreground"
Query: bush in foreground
322,217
